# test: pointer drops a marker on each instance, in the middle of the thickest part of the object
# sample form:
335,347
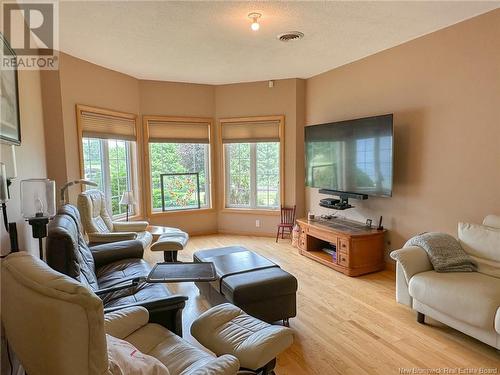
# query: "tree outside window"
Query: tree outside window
179,158
107,162
253,175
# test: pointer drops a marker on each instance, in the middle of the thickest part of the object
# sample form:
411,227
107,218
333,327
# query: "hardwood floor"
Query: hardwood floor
347,325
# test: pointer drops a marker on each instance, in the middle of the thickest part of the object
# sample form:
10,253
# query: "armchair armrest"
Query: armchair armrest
224,365
166,311
130,226
122,323
111,252
111,237
413,260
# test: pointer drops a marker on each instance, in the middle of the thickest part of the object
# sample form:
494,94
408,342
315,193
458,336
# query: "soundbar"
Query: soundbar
343,194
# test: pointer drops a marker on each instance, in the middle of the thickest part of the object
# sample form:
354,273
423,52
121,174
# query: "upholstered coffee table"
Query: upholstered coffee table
250,281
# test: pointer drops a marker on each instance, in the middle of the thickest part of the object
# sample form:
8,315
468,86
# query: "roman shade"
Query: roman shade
250,131
166,131
107,126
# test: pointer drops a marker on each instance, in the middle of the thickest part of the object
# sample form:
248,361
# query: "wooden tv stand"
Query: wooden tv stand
360,249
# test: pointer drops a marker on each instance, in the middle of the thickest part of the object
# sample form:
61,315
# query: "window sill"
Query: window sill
251,211
181,212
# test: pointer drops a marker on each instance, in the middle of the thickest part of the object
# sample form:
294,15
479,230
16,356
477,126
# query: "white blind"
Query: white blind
95,125
164,131
250,131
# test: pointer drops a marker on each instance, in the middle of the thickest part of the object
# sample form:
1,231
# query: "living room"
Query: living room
196,119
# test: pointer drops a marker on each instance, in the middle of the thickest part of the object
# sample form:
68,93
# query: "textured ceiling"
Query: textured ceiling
211,42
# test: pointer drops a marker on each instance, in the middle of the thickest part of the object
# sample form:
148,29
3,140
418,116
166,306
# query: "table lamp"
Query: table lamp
38,206
127,200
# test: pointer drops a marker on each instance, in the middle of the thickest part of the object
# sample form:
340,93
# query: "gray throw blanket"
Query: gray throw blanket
444,251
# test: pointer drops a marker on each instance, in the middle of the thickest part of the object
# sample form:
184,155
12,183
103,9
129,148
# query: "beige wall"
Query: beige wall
180,99
258,99
30,158
80,82
444,91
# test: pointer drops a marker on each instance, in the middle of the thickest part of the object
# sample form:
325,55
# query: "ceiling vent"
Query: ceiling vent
290,35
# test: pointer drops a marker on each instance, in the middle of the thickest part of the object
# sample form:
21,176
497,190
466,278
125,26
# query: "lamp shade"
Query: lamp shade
38,198
127,198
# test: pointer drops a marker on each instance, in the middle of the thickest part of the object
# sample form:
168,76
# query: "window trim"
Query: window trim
134,165
147,162
253,119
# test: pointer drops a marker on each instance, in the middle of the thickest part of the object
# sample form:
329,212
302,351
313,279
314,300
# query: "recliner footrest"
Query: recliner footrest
170,243
226,329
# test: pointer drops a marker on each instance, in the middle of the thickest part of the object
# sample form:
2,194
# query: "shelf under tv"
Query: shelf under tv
343,202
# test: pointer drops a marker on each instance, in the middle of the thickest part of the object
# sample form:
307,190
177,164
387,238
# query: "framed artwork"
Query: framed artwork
10,127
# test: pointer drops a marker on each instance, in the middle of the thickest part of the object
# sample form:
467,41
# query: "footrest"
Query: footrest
173,241
226,329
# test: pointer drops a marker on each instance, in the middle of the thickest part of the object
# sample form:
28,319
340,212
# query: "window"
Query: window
253,162
107,149
253,175
172,160
107,162
178,163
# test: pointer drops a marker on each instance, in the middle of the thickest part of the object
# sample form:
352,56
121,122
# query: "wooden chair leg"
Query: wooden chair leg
282,233
277,234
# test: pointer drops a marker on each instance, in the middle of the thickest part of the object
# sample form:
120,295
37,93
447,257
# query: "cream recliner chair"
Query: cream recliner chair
56,326
466,301
100,227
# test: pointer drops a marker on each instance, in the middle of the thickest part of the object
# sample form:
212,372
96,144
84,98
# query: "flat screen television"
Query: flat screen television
353,156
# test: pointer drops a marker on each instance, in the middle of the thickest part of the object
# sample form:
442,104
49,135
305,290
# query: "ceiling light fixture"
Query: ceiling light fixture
255,20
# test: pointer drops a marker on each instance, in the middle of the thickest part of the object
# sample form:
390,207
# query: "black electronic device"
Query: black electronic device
343,202
354,156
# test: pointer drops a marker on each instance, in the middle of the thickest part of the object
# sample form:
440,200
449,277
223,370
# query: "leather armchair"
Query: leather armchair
99,225
57,326
101,268
466,301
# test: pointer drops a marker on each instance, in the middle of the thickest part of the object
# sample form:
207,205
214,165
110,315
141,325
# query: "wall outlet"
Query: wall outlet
257,223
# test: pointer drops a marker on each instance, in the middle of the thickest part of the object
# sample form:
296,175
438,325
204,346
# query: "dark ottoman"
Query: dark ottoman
250,281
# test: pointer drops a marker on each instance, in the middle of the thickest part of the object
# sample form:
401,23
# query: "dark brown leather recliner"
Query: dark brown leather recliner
113,270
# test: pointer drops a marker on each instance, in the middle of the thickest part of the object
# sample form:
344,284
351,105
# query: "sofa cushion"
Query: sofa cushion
67,252
471,297
492,221
179,356
121,271
483,244
124,358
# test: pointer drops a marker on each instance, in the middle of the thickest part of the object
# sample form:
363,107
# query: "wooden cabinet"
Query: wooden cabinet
358,249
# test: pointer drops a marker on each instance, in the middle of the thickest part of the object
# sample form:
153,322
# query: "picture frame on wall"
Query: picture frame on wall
10,126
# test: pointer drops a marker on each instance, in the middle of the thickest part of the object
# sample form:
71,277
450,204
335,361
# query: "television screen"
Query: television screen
352,156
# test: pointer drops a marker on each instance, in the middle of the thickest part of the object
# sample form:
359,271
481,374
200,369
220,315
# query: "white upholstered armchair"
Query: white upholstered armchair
99,225
56,326
466,301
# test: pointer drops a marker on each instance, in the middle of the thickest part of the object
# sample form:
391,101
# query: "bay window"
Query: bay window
178,163
107,149
253,162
